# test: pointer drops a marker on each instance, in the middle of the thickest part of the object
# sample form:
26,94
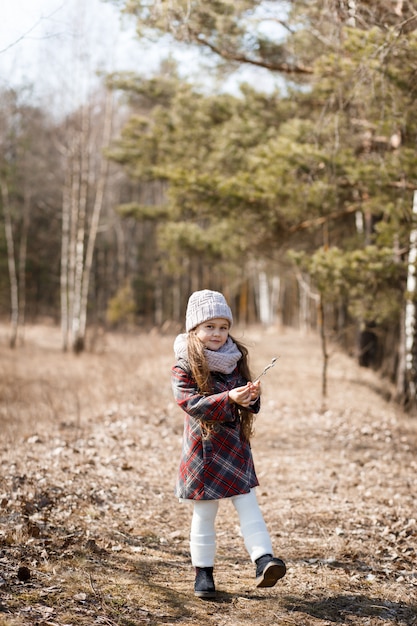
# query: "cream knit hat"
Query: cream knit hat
206,305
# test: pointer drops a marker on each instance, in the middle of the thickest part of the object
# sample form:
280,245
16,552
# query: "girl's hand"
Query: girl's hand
244,396
255,390
241,395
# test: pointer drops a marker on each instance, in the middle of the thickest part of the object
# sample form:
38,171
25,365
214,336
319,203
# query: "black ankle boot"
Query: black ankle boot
204,583
269,570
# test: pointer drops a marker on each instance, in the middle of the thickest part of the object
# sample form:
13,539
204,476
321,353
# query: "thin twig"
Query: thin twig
271,364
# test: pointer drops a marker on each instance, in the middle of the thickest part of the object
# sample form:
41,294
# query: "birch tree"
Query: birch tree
86,133
82,203
407,378
11,263
16,261
99,197
16,252
20,126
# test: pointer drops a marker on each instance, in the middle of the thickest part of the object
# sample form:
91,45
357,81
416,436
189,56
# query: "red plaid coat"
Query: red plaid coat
221,465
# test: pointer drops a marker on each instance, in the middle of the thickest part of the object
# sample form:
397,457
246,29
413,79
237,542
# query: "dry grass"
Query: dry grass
89,450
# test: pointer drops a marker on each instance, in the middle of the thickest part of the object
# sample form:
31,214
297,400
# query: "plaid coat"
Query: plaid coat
221,465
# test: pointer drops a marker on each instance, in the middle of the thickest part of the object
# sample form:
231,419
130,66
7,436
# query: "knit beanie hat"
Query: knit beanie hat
206,305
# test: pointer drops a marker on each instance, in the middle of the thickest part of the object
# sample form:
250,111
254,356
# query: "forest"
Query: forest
269,153
295,194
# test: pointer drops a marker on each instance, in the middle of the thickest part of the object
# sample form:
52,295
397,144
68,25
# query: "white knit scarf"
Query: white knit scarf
223,360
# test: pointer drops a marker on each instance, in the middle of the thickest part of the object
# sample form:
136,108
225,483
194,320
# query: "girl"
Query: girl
211,383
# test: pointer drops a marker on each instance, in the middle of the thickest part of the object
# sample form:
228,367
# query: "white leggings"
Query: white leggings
252,525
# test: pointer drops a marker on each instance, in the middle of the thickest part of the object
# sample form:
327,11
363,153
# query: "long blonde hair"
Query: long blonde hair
201,374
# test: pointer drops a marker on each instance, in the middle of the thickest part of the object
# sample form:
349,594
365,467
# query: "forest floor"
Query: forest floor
91,534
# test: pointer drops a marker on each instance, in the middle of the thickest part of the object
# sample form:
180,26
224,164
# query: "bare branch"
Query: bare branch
21,38
317,221
408,25
30,30
234,56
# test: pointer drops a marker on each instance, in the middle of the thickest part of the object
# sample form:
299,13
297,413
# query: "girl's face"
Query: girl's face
213,333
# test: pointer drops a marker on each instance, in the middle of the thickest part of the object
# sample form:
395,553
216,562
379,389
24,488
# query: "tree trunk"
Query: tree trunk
75,165
95,219
410,318
77,339
264,300
65,238
158,301
401,370
305,295
22,259
14,291
325,354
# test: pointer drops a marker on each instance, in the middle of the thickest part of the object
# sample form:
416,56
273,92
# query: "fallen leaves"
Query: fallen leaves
88,508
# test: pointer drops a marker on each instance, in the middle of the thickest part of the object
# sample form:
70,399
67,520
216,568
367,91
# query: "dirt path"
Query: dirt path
89,451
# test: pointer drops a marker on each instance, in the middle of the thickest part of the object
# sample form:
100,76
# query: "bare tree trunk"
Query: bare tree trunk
14,292
98,205
303,314
65,237
75,166
410,319
275,296
324,352
176,301
243,302
401,369
120,251
268,296
159,301
22,259
306,294
264,301
77,340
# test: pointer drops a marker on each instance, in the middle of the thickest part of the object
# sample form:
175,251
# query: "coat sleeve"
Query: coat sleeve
215,407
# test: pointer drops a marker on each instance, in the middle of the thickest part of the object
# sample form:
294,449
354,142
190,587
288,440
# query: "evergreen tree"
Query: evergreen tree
327,166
